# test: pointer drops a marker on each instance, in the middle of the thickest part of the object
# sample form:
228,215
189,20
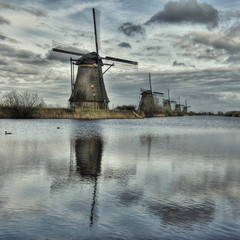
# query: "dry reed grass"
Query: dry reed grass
67,113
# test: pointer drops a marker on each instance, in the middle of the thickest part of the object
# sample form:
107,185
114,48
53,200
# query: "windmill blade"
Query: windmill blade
120,60
159,93
96,22
173,101
63,48
67,52
122,66
150,81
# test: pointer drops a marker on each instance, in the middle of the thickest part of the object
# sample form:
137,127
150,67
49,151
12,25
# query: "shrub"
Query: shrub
22,104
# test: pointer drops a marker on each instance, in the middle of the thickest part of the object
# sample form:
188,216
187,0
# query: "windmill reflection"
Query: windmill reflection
84,165
88,162
146,140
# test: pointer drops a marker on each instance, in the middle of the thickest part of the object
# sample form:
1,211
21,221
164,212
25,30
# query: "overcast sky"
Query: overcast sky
190,47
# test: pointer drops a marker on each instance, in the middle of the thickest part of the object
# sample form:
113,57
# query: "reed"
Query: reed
69,113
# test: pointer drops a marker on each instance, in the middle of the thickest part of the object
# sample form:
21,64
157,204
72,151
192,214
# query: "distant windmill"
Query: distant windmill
185,107
178,105
167,102
147,104
88,90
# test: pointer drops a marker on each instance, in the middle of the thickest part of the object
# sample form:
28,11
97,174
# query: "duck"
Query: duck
58,127
6,133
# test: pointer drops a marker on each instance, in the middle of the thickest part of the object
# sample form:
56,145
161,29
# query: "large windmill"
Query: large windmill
147,104
88,90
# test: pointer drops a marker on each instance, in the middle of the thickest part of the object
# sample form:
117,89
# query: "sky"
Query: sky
191,47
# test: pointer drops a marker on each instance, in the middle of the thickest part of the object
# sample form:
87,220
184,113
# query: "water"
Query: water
159,178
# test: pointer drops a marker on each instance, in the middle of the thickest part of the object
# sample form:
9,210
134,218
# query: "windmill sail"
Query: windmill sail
96,21
63,48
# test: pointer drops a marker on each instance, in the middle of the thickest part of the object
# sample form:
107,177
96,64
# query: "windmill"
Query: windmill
167,102
147,103
88,90
178,105
88,158
185,107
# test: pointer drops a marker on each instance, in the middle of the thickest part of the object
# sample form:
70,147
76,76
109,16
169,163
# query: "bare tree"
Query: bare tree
23,99
22,104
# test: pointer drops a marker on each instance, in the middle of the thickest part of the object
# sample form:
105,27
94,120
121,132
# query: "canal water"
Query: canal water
158,178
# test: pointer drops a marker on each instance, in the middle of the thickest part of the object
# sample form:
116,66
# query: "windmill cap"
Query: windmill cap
89,58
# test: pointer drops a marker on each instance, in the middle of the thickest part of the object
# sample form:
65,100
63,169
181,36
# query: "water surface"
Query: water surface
159,178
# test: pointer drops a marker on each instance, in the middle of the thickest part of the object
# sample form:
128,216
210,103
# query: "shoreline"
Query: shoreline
78,113
67,113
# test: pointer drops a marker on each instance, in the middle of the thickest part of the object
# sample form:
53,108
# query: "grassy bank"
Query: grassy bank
66,113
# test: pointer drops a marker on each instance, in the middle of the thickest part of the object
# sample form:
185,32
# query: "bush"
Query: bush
126,107
23,104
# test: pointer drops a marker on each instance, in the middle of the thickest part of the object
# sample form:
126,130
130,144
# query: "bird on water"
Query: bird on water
6,133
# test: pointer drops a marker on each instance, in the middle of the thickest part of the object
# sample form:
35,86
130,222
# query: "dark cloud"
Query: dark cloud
34,11
153,48
131,29
4,21
43,46
9,51
234,30
3,62
5,38
186,11
22,56
124,45
216,40
175,63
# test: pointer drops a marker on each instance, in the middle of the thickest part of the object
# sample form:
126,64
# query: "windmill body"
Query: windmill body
147,104
185,107
178,107
89,89
167,102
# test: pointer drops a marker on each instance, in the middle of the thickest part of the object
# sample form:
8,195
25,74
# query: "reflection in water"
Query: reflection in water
154,178
88,161
147,140
88,156
184,216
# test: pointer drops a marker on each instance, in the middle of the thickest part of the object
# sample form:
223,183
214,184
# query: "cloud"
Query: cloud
216,40
186,11
21,57
4,21
153,48
124,45
34,11
234,30
130,29
175,63
9,51
5,38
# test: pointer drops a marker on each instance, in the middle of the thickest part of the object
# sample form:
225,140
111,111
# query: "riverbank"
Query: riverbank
67,113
